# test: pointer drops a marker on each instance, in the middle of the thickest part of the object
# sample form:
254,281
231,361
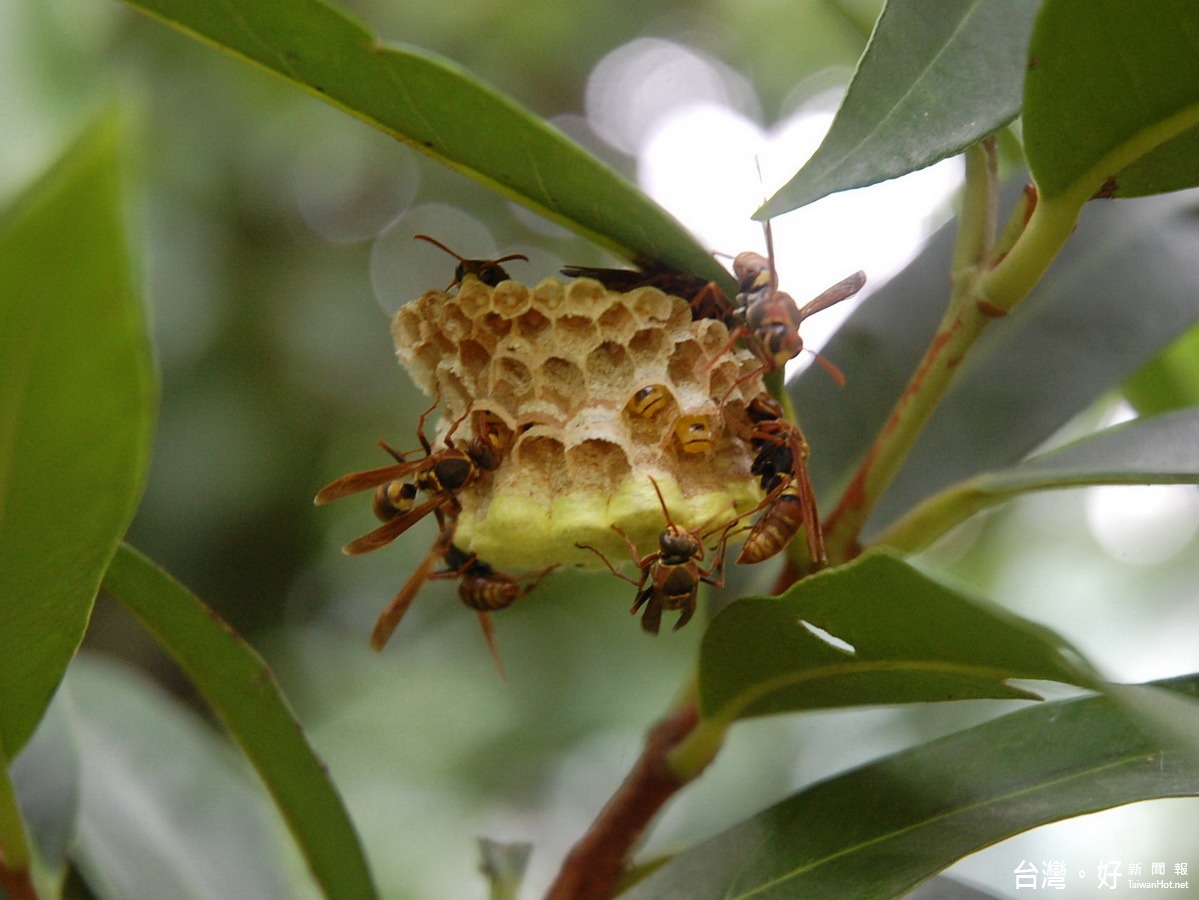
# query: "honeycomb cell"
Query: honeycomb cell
687,363
455,324
493,325
475,359
598,462
453,390
649,346
713,337
531,324
650,306
474,297
587,297
513,372
609,369
549,297
616,323
510,299
407,330
540,452
575,333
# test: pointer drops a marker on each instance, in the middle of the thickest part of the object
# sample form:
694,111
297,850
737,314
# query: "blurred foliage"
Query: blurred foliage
278,372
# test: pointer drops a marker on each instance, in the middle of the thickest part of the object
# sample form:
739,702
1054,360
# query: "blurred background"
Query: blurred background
276,240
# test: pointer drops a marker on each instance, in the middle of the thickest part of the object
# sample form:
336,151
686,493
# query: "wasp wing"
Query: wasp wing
393,528
842,290
811,515
390,617
361,481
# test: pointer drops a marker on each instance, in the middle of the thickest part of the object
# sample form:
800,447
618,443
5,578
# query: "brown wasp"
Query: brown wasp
770,317
481,587
706,299
790,503
441,474
488,271
670,576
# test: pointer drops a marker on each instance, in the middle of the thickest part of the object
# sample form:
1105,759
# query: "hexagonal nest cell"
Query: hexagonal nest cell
602,391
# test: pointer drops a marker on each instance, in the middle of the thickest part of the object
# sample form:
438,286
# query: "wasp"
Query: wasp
395,497
790,503
488,271
481,587
706,299
441,475
771,317
671,575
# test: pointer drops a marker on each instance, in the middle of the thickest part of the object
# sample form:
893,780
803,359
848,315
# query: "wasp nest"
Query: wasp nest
600,391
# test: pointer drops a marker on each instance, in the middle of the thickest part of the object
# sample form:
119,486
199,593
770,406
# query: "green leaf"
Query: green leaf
1121,290
927,87
439,108
1168,381
873,631
882,829
1160,450
1111,100
165,810
1172,715
245,696
76,404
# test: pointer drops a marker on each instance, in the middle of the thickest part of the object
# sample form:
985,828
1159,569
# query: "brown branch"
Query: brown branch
17,883
592,869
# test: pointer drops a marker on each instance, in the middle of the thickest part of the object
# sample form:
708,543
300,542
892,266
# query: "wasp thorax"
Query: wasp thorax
595,392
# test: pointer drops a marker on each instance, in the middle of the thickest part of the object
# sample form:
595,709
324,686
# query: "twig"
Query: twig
592,869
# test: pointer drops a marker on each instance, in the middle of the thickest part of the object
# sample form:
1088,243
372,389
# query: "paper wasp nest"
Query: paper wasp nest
600,390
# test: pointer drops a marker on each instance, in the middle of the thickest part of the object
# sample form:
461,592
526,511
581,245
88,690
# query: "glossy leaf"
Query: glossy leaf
1111,99
1168,381
932,81
76,403
1159,450
1121,290
892,824
441,109
245,696
165,809
873,631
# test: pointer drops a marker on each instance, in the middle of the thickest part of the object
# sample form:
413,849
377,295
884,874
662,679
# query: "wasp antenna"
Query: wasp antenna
439,244
398,455
662,500
510,256
489,636
831,367
774,272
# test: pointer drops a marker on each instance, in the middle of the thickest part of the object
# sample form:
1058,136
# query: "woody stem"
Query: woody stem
592,869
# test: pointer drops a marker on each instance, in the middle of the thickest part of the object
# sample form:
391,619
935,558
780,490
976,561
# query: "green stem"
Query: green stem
696,751
964,321
1012,277
980,207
